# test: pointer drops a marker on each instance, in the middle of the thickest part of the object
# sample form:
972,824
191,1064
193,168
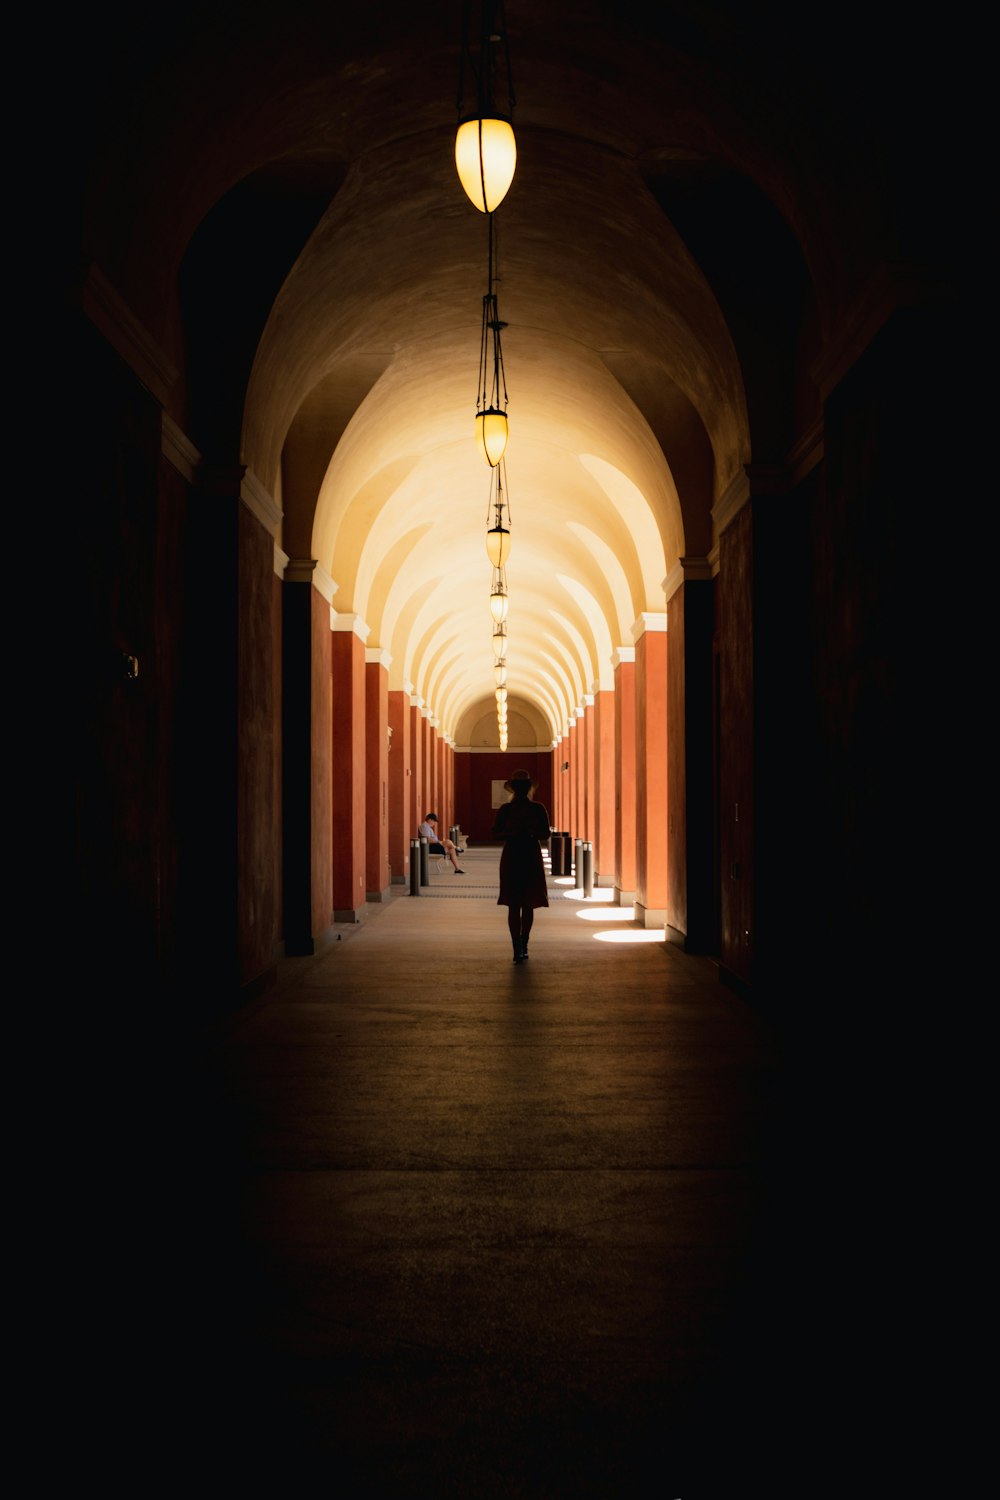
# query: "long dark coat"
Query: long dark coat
521,824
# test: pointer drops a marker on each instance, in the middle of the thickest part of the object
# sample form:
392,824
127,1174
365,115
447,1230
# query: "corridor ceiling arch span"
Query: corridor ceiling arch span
588,662
603,639
360,511
452,691
639,524
625,611
563,691
526,730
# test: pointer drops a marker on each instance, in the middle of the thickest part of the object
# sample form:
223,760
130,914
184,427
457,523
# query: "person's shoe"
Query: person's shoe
518,958
459,872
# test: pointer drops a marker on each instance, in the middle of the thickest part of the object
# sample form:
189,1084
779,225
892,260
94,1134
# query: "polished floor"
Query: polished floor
442,1225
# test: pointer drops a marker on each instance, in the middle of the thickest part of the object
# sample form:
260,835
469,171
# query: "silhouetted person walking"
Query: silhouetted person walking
522,824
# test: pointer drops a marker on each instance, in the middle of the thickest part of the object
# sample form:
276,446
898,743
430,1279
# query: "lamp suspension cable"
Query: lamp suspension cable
485,150
492,425
498,510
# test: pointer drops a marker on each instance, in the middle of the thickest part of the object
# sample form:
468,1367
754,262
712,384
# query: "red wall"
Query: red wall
473,775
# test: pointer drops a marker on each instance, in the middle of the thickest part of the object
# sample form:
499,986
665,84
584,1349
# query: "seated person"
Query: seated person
438,845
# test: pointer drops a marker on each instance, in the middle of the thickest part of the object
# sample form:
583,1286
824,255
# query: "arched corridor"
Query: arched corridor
727,636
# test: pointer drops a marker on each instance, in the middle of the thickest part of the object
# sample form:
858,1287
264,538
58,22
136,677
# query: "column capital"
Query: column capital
178,449
260,502
730,502
588,700
378,655
280,561
623,654
650,621
687,570
352,622
111,314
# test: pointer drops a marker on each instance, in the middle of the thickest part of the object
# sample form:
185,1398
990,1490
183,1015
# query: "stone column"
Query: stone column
427,743
588,726
416,792
625,879
690,868
571,776
306,754
402,827
349,817
650,635
376,774
604,782
556,808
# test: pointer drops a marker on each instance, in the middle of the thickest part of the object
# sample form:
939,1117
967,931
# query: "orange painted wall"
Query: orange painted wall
321,802
376,779
589,725
604,778
651,769
348,819
415,795
625,877
401,821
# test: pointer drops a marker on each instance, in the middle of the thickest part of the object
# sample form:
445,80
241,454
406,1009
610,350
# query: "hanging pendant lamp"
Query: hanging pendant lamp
485,155
499,600
485,150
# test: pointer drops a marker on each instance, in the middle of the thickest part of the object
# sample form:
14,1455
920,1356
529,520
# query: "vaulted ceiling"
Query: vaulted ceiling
272,191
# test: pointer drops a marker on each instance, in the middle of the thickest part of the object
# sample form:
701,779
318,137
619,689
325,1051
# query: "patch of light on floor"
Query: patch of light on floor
599,895
640,935
562,880
616,914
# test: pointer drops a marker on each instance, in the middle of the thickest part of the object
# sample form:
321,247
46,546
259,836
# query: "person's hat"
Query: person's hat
518,778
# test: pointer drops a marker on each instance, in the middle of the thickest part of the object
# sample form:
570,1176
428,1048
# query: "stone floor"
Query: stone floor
442,1226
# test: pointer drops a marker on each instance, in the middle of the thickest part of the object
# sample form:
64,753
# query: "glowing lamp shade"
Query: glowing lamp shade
485,155
499,642
500,673
498,545
492,429
498,605
501,695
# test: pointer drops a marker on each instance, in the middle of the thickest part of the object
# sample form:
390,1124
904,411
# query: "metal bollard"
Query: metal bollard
414,867
578,864
588,868
556,862
425,874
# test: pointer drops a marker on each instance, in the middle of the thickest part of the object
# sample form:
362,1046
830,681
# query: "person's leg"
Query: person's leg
527,918
514,924
450,851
